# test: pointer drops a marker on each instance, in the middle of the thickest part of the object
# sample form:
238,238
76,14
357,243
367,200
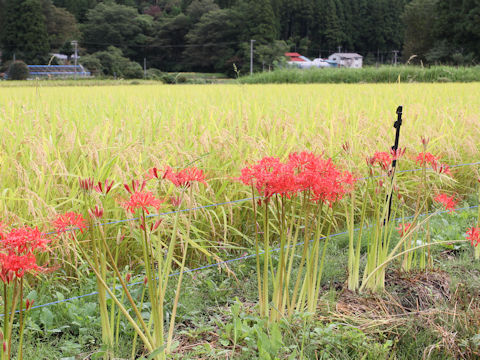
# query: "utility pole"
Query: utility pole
339,49
251,56
75,44
395,56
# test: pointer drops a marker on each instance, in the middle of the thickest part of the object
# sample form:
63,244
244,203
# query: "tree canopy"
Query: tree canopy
212,35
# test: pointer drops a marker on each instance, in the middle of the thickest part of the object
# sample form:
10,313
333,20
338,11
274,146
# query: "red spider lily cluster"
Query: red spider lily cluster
142,200
182,178
69,221
437,166
473,234
302,172
385,159
96,213
449,202
88,184
403,228
17,252
103,188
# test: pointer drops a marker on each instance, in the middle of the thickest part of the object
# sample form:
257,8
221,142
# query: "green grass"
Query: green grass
217,310
383,74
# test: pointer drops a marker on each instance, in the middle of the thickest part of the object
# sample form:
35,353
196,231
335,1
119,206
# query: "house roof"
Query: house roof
347,55
296,57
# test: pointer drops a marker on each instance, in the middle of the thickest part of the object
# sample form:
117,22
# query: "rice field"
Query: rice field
52,137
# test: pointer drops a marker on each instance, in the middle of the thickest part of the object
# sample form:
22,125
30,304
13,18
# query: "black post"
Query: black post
397,124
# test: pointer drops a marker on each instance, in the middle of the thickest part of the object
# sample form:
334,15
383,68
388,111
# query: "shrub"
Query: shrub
154,74
168,79
180,79
18,70
132,70
93,64
111,62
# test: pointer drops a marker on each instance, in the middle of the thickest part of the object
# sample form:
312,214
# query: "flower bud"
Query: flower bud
155,225
29,304
425,142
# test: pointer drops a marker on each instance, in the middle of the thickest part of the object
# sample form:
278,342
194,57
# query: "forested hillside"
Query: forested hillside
213,35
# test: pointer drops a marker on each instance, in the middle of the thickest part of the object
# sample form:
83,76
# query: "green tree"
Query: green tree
166,50
24,32
259,20
61,24
270,55
456,31
110,24
419,20
113,63
78,8
214,42
200,7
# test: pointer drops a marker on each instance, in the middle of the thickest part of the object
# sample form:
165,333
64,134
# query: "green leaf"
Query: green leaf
156,352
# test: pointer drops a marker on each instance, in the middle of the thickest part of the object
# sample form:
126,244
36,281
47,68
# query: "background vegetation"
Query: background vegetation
212,35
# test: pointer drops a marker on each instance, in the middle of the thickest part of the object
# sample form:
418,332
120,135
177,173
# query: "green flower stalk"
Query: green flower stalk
319,185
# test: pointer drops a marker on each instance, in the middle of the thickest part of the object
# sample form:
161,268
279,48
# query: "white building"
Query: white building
350,60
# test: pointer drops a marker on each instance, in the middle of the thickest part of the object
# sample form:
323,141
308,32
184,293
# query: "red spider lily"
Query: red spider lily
426,158
403,228
473,234
153,226
29,304
69,221
86,184
23,240
381,158
270,177
17,252
175,201
137,186
425,142
184,177
302,172
103,188
398,153
97,212
441,168
152,173
449,202
141,200
17,265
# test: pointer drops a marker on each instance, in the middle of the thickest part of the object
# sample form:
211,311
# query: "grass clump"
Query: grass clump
383,74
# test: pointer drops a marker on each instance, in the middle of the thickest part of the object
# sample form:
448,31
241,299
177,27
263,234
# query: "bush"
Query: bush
93,64
180,79
132,70
154,74
111,62
18,70
168,79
